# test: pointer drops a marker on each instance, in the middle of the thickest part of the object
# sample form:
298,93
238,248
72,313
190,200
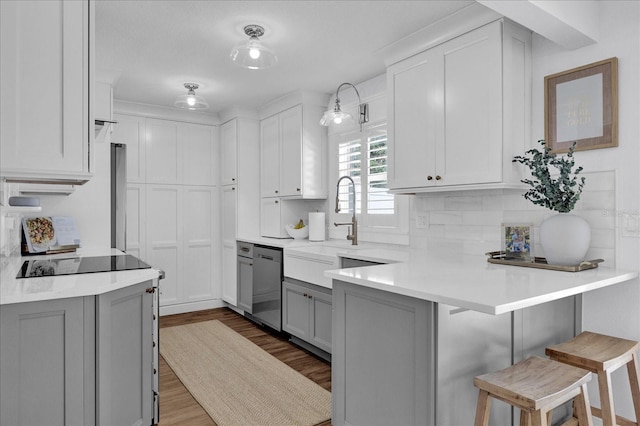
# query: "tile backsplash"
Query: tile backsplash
469,222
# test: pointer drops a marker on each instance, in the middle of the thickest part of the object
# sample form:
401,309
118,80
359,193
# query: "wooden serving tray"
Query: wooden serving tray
498,257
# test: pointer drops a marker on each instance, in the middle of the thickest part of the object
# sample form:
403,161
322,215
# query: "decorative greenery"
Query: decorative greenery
560,194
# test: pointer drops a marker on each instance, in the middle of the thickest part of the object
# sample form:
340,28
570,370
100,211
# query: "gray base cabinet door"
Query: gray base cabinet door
383,358
47,370
306,313
124,356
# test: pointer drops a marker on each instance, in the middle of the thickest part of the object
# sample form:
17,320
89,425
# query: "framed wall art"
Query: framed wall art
581,105
516,242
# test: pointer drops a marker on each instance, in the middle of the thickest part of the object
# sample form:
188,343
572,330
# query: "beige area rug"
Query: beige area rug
238,383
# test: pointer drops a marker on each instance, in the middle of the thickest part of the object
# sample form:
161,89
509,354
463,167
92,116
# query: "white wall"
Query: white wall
469,222
89,204
616,310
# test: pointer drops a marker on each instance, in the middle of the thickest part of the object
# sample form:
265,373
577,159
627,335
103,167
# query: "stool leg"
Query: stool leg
634,380
525,418
582,407
606,398
539,419
483,409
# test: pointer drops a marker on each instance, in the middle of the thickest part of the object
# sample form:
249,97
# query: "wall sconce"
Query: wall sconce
253,54
337,116
191,101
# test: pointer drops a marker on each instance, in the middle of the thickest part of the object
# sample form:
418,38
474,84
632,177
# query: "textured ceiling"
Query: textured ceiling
148,49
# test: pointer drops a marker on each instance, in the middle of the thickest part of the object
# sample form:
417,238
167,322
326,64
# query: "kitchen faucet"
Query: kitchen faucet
353,237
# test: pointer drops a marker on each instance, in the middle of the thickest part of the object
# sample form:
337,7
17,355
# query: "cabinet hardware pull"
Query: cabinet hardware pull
154,345
154,371
438,177
310,297
276,201
233,179
298,189
233,189
429,177
304,295
150,290
276,191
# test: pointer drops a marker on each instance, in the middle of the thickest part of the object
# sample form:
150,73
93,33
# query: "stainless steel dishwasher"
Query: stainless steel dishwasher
267,286
260,283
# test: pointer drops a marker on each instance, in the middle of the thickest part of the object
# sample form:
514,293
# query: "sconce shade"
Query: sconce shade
337,116
191,101
253,54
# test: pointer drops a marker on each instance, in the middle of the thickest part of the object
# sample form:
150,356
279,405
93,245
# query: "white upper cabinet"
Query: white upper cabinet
200,154
270,157
293,154
45,80
167,152
164,151
229,152
458,112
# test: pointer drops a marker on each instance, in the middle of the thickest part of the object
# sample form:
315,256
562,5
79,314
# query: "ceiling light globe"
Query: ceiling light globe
191,100
337,120
254,53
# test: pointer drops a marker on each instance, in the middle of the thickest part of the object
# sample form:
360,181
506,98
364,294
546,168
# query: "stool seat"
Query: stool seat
602,354
594,351
536,386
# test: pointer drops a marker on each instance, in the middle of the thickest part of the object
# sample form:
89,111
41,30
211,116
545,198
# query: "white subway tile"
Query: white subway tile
463,203
463,232
603,238
445,218
492,217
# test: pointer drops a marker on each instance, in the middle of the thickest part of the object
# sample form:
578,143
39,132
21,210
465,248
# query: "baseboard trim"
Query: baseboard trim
182,308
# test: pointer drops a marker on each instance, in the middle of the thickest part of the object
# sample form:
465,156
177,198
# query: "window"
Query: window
363,157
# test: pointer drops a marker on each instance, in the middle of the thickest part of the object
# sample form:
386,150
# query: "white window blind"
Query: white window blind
363,157
379,201
350,164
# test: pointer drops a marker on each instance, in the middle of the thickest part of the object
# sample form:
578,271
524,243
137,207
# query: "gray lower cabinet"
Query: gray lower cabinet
47,370
78,361
124,340
405,361
306,312
383,360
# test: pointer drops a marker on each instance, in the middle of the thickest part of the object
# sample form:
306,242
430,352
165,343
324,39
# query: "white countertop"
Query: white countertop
470,281
271,242
14,290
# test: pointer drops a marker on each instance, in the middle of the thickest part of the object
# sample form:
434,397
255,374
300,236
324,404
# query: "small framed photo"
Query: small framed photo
516,242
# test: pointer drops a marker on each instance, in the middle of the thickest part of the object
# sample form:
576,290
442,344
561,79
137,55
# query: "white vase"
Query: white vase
565,239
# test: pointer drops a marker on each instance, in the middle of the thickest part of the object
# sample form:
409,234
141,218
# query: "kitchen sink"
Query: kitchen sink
308,263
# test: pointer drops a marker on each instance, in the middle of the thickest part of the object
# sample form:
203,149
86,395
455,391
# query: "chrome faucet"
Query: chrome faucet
353,230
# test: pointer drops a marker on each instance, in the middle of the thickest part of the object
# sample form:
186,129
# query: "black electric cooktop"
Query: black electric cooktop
79,265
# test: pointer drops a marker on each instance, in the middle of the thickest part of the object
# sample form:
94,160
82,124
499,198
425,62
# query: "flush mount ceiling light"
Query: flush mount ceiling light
253,54
337,116
191,100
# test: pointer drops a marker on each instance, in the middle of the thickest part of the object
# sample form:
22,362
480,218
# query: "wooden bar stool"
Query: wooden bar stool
536,386
602,355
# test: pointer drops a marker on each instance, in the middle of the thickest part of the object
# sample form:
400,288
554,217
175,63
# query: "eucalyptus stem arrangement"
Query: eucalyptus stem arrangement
559,193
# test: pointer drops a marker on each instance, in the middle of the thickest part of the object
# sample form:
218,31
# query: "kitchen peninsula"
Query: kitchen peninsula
409,337
77,349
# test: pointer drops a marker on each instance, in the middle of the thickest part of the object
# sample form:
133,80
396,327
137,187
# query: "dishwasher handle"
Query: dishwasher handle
265,257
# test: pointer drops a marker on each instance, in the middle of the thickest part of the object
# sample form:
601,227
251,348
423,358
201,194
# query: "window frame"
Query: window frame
371,227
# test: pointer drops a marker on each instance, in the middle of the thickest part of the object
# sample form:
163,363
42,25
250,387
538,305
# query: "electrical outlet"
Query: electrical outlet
421,221
631,225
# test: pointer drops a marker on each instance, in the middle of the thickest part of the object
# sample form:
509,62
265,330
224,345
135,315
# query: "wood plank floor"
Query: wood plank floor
177,406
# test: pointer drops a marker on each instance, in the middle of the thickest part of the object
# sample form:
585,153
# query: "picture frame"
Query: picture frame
517,241
581,106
